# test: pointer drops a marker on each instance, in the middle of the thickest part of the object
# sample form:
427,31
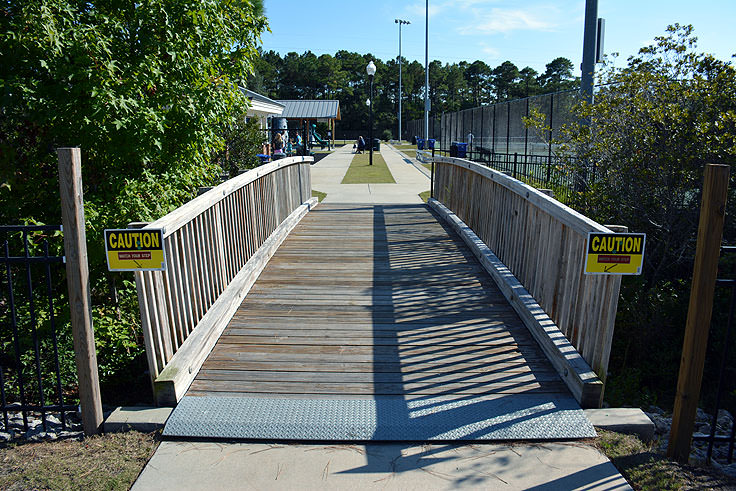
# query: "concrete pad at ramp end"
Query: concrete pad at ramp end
543,466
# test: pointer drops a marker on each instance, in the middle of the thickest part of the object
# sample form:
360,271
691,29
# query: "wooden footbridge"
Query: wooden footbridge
465,319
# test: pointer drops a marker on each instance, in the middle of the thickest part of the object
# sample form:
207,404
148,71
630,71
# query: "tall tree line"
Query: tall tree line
451,86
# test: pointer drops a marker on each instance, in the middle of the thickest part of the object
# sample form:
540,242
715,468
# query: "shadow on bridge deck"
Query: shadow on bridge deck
375,322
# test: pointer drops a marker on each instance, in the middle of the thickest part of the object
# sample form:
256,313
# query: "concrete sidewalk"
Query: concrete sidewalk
411,161
327,174
226,466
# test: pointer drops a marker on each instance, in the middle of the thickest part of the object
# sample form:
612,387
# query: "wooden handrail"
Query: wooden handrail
542,243
216,245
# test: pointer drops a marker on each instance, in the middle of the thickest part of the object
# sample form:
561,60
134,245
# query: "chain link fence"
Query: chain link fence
415,128
496,135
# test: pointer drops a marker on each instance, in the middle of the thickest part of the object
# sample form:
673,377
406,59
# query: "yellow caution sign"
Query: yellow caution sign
135,249
615,253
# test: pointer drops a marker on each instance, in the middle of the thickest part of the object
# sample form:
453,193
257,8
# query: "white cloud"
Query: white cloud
506,20
466,4
489,50
418,9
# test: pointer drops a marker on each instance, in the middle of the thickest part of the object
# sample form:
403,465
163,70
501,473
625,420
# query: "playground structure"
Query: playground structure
303,116
316,140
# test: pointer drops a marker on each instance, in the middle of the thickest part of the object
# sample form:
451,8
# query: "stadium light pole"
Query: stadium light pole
371,71
426,71
400,23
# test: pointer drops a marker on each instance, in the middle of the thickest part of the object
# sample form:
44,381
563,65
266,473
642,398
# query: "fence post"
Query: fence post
508,126
526,132
431,179
77,277
710,232
549,149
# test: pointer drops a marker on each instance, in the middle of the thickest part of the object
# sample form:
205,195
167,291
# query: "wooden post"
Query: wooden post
77,277
710,231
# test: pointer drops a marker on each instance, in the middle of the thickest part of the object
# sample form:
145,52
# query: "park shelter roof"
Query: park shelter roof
306,109
260,104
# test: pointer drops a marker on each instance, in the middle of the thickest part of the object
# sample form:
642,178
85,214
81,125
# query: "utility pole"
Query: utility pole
426,71
589,48
591,54
400,22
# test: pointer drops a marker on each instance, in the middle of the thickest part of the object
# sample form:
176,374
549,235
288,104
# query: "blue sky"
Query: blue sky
529,33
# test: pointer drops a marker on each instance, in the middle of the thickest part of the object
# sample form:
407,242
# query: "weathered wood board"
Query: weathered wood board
375,300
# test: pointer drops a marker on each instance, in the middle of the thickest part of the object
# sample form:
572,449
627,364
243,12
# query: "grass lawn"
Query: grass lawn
425,195
111,461
648,470
362,173
318,194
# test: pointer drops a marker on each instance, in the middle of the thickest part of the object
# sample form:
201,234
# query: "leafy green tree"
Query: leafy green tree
478,76
654,125
266,76
528,83
505,78
243,140
558,76
144,88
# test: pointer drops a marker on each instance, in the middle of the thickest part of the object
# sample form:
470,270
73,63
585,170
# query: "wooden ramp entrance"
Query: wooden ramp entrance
375,322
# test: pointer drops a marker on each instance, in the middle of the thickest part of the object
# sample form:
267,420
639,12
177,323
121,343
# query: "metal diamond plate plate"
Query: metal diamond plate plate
516,417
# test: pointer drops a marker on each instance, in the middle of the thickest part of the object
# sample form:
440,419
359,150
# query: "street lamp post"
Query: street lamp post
400,22
371,70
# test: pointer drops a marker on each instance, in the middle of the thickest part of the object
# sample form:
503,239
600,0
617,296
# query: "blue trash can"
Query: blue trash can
430,144
462,150
420,143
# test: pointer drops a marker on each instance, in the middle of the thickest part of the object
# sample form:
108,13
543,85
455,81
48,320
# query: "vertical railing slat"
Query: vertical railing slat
545,255
208,248
147,325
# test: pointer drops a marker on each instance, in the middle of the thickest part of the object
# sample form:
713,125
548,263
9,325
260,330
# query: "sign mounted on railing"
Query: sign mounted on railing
135,249
614,253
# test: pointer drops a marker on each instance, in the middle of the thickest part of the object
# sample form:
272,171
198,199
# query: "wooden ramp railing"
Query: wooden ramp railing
539,244
216,246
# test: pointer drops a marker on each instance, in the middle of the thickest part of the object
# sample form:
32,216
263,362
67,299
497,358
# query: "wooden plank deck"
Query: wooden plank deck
364,301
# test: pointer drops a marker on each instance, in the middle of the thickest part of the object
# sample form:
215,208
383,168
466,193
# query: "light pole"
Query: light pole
371,70
426,71
400,22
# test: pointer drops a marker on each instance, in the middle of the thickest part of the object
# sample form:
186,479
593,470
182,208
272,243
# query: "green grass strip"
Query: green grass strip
362,173
319,195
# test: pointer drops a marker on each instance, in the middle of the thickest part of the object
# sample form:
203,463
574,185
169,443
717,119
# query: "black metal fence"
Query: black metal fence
721,394
541,171
32,280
